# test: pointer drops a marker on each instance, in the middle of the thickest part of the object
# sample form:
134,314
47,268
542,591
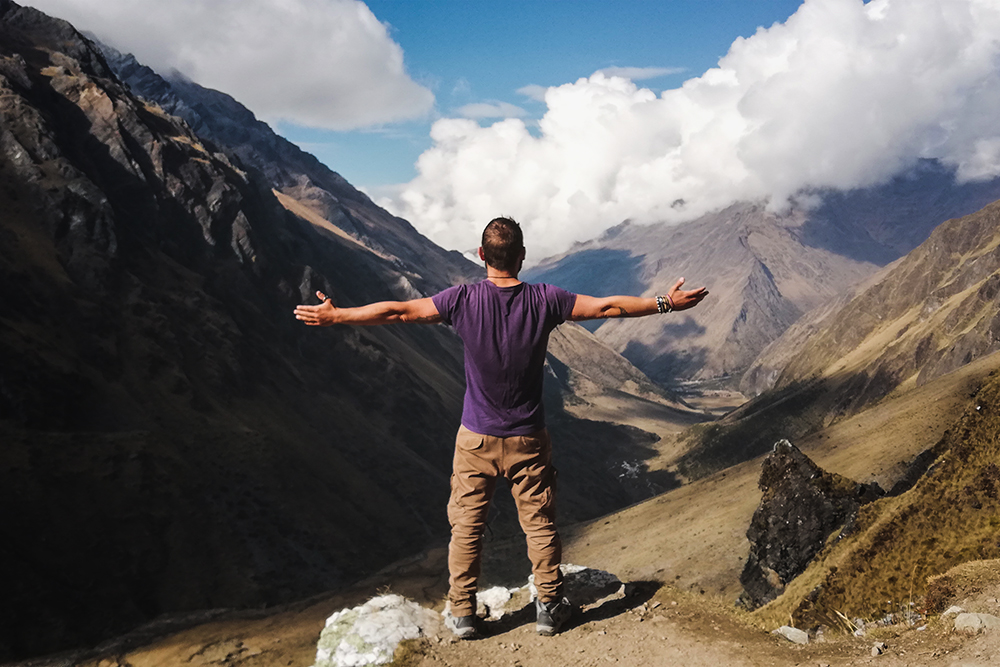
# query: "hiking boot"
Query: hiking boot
463,627
551,616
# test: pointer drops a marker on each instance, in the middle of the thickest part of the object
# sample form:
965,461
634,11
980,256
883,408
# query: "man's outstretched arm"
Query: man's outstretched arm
384,312
593,308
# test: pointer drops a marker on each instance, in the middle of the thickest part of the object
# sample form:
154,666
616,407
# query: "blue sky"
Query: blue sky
471,51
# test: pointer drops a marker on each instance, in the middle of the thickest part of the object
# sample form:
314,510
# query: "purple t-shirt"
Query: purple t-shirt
505,331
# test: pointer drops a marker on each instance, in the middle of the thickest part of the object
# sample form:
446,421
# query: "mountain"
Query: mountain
301,182
173,439
932,312
760,276
763,269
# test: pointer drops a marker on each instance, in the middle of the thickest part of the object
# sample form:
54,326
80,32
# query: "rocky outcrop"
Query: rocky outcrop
802,505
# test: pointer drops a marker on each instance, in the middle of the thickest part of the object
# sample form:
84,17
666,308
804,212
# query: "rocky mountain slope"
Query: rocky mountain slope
764,270
761,279
304,183
932,312
173,439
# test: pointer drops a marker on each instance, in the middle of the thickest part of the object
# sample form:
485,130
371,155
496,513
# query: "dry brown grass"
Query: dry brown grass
950,517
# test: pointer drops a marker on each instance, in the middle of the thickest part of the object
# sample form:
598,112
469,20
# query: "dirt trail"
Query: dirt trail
653,627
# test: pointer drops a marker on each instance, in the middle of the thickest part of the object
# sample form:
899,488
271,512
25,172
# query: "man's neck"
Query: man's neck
502,278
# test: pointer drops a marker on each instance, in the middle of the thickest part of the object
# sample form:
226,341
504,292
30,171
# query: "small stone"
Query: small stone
973,624
952,610
655,605
793,634
673,603
878,649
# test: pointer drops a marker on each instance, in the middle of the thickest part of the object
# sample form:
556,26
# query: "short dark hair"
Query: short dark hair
502,244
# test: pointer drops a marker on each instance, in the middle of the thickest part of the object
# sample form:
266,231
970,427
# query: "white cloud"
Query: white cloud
640,73
491,110
319,63
842,94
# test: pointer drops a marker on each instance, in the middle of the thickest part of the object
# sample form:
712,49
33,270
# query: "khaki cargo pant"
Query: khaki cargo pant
526,462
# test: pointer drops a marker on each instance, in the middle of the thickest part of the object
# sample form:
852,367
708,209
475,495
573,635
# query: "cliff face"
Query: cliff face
173,438
302,181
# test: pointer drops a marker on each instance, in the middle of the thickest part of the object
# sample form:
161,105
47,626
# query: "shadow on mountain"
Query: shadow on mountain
686,327
668,367
881,223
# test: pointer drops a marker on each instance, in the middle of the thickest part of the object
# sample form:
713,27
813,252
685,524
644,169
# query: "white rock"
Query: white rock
493,602
370,633
952,610
793,634
975,623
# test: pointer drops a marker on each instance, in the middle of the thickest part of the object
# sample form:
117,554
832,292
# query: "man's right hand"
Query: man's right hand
322,315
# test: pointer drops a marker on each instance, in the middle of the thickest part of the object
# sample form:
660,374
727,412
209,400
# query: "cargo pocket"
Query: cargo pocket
468,441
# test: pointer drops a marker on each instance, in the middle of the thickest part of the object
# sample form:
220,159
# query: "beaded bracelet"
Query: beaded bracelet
661,304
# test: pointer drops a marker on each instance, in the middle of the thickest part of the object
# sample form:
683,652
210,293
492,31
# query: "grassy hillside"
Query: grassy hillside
950,517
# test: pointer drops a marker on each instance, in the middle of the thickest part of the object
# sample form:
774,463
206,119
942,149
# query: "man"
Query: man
505,325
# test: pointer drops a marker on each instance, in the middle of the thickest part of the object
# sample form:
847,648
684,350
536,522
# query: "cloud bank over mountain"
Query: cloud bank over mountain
843,94
318,63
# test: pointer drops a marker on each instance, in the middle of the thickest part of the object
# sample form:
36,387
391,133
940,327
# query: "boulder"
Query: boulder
801,506
370,633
